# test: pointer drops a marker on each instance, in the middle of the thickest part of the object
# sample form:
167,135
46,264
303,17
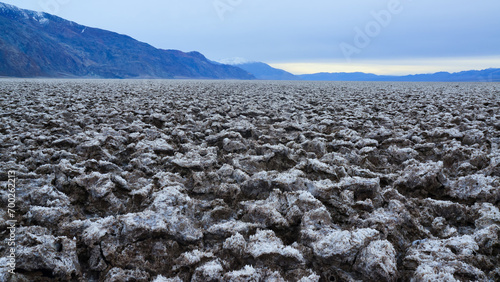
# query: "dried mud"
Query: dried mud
252,181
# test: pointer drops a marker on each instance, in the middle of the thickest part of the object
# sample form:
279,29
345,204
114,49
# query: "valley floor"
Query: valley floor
250,181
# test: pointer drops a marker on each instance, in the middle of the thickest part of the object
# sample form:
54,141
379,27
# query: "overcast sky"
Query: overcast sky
379,36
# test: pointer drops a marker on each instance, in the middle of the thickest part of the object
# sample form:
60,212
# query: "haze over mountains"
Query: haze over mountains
35,44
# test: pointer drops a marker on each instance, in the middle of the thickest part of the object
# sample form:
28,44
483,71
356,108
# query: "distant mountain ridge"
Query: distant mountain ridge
487,75
35,44
264,71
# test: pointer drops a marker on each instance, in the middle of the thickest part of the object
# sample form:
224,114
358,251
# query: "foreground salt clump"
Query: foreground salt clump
378,261
251,181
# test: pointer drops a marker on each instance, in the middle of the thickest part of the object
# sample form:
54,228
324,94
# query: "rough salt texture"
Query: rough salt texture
252,181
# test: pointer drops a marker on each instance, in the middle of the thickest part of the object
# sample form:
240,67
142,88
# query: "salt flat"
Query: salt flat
140,180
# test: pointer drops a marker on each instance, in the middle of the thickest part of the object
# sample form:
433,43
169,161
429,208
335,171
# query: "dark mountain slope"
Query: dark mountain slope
34,44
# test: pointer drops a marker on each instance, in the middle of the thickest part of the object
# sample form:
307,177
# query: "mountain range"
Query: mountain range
266,72
487,75
36,44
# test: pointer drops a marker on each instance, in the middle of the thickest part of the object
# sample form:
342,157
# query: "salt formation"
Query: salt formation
252,181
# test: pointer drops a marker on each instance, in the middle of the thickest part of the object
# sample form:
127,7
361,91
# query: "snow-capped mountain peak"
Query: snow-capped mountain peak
40,17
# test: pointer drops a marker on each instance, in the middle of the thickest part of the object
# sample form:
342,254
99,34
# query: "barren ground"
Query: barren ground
251,181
